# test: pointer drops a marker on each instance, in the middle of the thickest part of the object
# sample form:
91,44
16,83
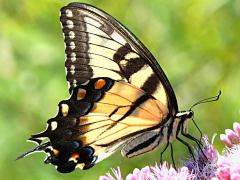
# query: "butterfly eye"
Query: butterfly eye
190,114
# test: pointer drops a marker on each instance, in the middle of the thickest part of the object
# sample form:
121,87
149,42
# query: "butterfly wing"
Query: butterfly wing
119,94
98,45
122,113
98,118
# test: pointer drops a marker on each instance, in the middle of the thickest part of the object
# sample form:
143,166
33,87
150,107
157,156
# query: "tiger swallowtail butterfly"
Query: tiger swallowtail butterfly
120,97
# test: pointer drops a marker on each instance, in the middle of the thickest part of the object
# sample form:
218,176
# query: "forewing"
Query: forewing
97,45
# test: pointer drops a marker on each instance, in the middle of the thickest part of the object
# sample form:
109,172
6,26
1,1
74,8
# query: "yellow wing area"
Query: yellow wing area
103,125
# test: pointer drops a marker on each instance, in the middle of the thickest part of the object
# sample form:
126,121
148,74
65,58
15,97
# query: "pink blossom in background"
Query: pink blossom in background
231,137
116,175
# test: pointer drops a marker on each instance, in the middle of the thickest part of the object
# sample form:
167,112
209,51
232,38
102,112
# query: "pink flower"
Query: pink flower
229,161
223,170
236,128
169,173
144,173
204,166
116,175
157,172
231,137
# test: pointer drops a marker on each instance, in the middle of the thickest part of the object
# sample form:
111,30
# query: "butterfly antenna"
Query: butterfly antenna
201,135
210,99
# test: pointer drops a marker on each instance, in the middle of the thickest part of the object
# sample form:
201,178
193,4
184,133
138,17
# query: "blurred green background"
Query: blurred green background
196,42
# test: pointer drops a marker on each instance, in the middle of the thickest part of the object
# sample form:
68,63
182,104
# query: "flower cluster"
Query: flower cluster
207,164
156,172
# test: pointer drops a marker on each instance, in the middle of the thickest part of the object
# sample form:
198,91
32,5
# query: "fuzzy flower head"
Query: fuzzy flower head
157,172
229,163
204,166
116,175
169,173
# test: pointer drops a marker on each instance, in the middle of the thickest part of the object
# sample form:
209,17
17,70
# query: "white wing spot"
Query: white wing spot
74,83
65,109
69,13
53,125
70,24
131,55
72,45
73,57
71,35
123,62
72,69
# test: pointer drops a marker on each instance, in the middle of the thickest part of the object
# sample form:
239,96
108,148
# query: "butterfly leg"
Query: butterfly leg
172,156
165,148
201,135
188,146
199,144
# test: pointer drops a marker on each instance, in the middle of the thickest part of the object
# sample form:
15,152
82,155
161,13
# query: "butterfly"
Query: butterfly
120,97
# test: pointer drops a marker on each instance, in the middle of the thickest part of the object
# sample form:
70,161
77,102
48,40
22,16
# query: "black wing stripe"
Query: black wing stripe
122,52
151,84
132,66
145,145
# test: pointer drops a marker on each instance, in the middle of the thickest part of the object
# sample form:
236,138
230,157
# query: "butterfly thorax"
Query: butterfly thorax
175,125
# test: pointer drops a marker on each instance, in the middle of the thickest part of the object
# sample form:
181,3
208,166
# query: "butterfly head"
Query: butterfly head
184,117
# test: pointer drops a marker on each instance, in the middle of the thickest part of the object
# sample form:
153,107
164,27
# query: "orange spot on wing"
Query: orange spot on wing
99,84
75,156
81,94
